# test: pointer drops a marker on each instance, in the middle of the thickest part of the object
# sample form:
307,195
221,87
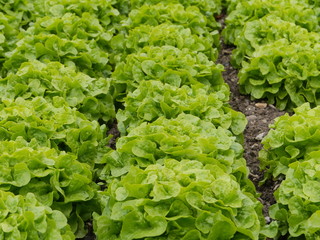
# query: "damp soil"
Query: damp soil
259,114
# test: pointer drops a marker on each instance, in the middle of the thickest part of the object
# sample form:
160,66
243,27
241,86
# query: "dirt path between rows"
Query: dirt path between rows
259,115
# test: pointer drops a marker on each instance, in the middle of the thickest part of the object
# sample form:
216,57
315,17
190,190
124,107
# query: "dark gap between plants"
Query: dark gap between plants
259,115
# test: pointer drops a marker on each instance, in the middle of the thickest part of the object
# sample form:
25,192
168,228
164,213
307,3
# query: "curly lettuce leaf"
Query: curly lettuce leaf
85,55
57,179
175,13
52,124
9,26
70,26
297,12
91,96
30,11
104,11
176,201
153,99
168,34
168,64
231,5
297,209
290,140
165,35
284,73
23,217
265,30
207,7
183,137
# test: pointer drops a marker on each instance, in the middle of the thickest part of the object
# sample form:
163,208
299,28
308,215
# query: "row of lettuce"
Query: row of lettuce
291,153
277,49
68,68
277,52
178,170
55,100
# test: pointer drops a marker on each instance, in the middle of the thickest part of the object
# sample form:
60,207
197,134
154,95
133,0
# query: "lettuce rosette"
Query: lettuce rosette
284,73
165,34
91,96
207,7
297,12
153,99
290,139
297,210
23,217
175,13
183,137
178,200
263,31
167,64
53,124
83,54
57,180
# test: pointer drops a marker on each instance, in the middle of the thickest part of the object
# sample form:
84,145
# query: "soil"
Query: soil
114,132
259,114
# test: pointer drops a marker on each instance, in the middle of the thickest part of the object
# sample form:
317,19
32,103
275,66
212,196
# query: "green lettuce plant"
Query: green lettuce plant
178,200
165,34
70,26
30,11
183,137
73,24
167,64
207,7
230,5
265,30
91,96
8,33
25,218
285,73
175,13
153,99
57,179
291,138
52,124
24,10
173,35
298,12
104,11
85,55
76,26
298,203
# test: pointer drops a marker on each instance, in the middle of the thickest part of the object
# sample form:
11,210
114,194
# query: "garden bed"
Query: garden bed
259,115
